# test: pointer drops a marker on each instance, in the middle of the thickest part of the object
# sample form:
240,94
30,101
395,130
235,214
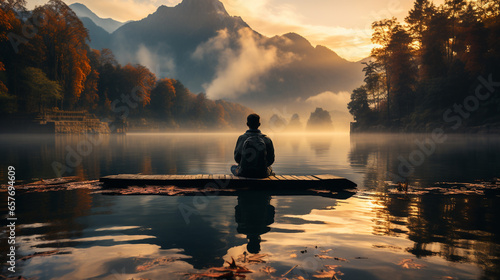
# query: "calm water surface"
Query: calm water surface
372,234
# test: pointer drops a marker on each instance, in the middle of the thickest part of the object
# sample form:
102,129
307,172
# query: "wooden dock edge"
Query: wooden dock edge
221,181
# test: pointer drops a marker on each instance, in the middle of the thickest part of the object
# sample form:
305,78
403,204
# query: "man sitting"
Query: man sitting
254,152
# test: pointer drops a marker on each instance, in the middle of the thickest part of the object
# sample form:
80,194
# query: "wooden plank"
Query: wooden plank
205,177
273,178
312,178
219,177
327,177
302,178
281,177
289,178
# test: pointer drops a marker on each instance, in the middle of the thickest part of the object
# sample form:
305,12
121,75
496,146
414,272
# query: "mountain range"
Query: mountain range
208,50
108,24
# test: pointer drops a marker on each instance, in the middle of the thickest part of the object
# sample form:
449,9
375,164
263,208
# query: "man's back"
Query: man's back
255,154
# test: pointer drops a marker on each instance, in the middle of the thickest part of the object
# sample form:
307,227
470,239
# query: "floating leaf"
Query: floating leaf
293,255
233,267
44,254
323,257
268,270
410,264
257,258
239,269
326,274
153,263
390,247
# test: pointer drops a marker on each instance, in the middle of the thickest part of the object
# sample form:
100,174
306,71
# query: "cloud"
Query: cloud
163,66
215,44
331,101
239,70
146,58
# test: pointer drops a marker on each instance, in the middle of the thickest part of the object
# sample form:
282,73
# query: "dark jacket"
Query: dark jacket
252,132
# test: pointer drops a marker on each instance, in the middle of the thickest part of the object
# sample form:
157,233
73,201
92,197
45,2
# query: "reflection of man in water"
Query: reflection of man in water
254,214
254,152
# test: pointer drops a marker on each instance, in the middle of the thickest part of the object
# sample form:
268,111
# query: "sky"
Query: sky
343,26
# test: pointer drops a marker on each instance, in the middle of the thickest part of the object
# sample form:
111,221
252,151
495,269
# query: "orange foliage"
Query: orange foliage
5,24
143,81
65,38
168,84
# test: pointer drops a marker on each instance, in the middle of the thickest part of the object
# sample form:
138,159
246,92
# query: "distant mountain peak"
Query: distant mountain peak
196,9
198,16
107,24
204,6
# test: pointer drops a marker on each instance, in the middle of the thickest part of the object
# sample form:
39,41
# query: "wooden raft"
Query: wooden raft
326,181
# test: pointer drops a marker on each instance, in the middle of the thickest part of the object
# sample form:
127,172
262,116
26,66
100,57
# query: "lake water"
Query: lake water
374,233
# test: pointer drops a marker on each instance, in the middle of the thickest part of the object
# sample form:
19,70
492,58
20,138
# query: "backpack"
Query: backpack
254,157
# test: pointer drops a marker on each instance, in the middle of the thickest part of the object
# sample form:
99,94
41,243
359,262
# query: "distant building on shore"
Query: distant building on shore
54,121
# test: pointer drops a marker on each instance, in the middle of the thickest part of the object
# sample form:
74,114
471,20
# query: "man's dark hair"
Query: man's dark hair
253,121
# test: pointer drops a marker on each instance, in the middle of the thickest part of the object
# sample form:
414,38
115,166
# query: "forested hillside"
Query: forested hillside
46,62
438,68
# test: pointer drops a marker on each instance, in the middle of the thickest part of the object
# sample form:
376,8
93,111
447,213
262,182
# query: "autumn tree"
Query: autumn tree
138,83
65,39
9,25
163,96
90,94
